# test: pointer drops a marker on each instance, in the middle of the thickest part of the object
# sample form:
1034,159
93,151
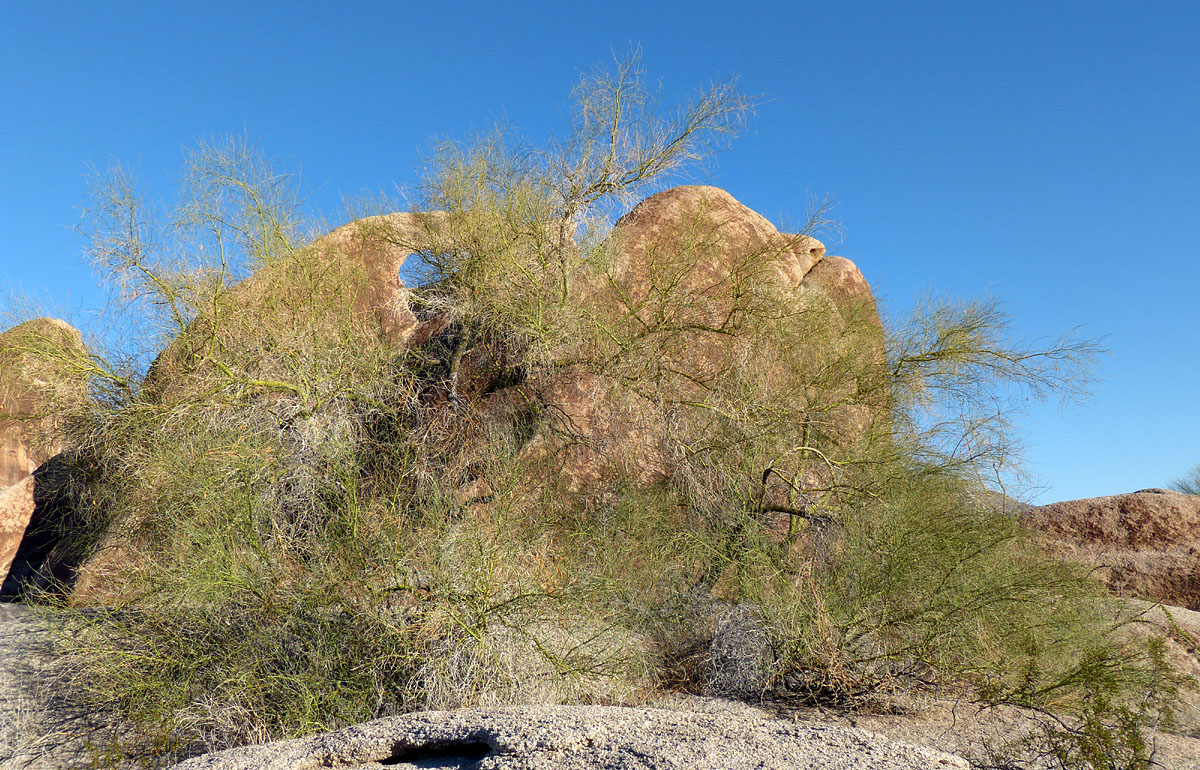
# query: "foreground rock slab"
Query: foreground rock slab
583,738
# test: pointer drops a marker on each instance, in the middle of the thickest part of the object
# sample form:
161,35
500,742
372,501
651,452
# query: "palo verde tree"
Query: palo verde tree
310,522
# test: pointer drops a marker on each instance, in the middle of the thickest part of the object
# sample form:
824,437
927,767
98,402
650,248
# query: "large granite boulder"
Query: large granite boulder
346,283
707,232
41,365
721,275
700,242
1145,544
41,379
584,738
694,241
695,259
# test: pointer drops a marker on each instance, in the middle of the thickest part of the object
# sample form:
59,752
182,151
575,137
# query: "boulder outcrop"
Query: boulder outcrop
1145,544
700,240
39,371
715,235
352,273
584,738
697,242
40,379
722,276
693,255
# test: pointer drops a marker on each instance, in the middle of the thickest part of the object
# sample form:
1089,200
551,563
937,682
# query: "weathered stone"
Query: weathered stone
716,236
16,507
700,240
39,376
379,246
40,380
351,275
1145,544
56,537
1179,630
584,738
695,251
841,279
579,424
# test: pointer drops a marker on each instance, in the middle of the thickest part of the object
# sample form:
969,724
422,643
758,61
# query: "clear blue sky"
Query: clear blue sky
1045,152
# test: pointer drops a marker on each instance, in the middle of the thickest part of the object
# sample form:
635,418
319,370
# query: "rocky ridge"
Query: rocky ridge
37,374
586,431
1145,544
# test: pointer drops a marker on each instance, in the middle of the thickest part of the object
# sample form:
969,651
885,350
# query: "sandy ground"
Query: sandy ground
40,729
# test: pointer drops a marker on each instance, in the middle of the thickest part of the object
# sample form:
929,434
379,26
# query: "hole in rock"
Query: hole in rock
454,755
420,268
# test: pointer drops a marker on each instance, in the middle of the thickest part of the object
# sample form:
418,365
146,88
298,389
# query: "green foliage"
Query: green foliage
302,525
1112,705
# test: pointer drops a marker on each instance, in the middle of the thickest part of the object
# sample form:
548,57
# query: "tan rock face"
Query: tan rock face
15,462
840,280
1145,544
39,379
36,377
701,244
1179,628
350,275
378,246
700,240
723,235
16,508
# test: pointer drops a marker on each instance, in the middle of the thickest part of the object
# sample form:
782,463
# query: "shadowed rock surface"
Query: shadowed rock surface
1145,544
584,738
16,508
55,538
39,376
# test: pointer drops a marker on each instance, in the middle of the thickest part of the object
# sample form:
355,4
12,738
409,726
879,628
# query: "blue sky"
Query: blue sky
1047,153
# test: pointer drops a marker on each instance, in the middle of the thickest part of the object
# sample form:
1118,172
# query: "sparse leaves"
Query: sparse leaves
1189,483
959,377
